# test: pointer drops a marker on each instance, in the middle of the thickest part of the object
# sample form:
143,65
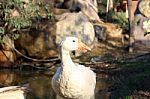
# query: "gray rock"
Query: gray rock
139,32
75,24
100,32
88,7
144,7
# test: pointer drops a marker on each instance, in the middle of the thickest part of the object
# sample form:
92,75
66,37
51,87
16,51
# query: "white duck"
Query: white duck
13,92
72,80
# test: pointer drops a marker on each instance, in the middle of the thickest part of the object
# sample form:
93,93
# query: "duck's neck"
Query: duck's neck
65,58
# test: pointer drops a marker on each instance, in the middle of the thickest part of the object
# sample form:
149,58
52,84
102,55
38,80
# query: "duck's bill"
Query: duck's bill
83,47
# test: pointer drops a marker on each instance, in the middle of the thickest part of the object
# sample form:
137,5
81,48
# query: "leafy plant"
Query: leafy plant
16,15
2,30
122,21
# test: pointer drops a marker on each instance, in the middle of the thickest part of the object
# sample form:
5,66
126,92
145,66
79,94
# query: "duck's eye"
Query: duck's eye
73,41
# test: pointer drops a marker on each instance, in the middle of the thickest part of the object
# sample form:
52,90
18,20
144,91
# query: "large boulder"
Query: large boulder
43,41
139,31
75,24
87,7
38,43
144,7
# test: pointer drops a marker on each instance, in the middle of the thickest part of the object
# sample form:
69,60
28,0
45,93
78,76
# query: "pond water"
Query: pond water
40,83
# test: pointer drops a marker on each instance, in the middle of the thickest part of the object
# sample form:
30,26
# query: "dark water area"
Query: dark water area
126,80
40,83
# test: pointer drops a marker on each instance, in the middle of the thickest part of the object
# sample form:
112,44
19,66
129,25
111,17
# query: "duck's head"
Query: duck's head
73,43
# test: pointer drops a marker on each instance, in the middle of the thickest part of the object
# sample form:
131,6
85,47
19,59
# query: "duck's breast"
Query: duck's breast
77,82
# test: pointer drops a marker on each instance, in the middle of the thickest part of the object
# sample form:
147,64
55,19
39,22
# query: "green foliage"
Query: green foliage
20,14
128,97
122,21
115,17
118,1
2,30
105,1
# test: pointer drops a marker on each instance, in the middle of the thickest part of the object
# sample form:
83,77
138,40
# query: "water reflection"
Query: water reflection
40,83
41,88
8,77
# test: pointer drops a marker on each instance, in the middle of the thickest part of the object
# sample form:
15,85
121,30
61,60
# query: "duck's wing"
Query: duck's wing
55,79
88,74
58,71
